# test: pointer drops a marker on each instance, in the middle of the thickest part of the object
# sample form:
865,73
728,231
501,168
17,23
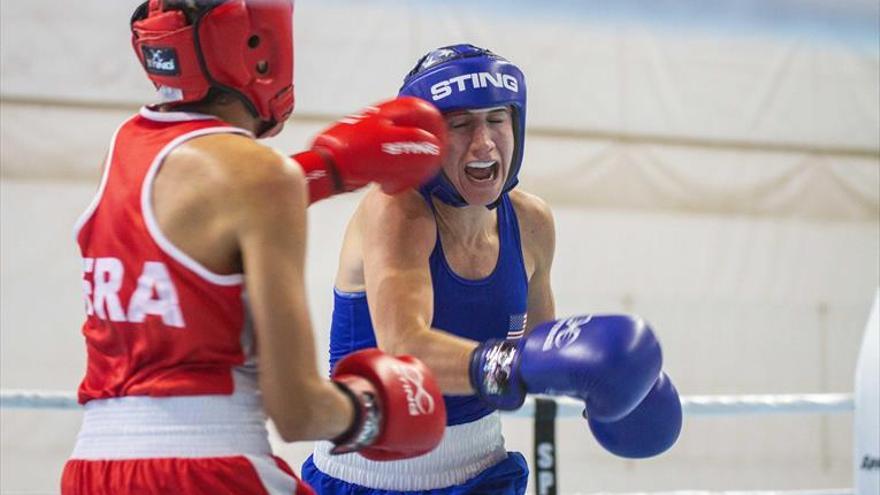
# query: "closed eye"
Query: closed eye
498,117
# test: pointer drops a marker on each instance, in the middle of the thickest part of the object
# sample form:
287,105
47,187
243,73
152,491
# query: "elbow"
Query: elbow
294,410
291,422
404,343
409,335
317,410
287,434
290,433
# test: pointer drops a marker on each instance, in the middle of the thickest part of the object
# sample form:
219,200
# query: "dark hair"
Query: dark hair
214,95
192,9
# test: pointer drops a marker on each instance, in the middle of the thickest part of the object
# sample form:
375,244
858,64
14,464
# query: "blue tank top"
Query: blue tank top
490,308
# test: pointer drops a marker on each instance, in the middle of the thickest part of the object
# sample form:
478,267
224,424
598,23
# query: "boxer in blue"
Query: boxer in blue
458,275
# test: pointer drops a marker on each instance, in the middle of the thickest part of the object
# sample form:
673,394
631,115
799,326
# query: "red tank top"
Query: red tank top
158,323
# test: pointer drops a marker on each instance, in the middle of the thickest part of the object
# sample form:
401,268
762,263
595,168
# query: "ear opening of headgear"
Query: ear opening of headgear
239,47
464,76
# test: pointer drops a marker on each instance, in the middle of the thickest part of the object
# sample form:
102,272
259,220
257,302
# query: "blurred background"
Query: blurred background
712,166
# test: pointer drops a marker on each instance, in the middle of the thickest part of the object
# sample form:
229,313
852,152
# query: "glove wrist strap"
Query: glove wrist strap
366,424
321,175
492,374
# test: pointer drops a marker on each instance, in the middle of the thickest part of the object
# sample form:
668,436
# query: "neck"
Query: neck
230,110
467,222
237,115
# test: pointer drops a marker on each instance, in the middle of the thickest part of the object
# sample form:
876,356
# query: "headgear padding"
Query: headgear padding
460,77
243,47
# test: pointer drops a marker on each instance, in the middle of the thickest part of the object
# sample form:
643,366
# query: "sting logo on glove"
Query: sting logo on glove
412,148
418,399
564,332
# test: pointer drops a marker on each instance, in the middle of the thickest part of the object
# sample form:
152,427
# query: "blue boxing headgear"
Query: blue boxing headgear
460,77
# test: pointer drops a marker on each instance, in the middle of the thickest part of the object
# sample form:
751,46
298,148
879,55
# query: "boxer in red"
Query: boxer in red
197,326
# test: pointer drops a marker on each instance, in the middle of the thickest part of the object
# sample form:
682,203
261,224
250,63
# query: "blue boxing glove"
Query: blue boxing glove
651,429
609,362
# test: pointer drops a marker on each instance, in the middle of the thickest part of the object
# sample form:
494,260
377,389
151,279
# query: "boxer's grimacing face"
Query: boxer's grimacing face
480,148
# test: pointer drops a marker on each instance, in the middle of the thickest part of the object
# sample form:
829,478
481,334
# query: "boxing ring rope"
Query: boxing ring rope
727,405
830,491
694,405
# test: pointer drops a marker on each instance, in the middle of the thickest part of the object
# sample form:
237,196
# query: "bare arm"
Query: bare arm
538,234
400,233
271,231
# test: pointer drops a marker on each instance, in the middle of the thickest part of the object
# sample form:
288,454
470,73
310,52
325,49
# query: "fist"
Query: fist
398,144
608,361
400,411
650,429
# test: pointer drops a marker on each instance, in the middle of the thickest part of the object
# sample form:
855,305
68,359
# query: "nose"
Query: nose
482,143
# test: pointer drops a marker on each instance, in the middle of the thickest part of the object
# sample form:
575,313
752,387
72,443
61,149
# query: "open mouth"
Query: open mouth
482,171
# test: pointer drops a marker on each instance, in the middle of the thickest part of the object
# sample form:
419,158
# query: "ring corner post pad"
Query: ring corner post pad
866,417
544,458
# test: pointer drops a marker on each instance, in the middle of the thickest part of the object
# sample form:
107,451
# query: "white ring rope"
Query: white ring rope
694,405
727,405
37,399
829,491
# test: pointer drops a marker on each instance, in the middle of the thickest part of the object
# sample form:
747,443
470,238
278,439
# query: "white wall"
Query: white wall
726,188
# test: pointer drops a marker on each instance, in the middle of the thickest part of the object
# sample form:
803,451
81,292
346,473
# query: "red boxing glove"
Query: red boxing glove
398,144
399,410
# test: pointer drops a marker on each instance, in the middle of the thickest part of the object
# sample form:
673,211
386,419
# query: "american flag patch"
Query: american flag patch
517,327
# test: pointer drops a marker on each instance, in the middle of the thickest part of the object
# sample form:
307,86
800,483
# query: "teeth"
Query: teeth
480,164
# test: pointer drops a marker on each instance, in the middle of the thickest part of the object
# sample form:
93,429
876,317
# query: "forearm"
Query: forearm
300,401
404,328
330,411
447,355
305,408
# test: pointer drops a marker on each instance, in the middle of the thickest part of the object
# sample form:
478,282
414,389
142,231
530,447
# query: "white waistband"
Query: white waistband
464,452
138,427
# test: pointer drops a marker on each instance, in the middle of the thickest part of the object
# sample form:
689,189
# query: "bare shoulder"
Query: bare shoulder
404,218
535,216
536,227
239,167
407,209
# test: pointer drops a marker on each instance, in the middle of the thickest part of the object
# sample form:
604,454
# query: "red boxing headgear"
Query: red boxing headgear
244,47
